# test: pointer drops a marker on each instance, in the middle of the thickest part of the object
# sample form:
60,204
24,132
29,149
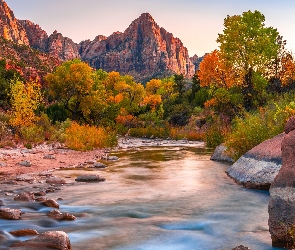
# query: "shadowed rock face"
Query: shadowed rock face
259,166
282,193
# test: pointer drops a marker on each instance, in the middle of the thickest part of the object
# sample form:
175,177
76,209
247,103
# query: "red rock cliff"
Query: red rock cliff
144,50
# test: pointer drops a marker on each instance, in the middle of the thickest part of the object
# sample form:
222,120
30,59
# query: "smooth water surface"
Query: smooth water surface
158,198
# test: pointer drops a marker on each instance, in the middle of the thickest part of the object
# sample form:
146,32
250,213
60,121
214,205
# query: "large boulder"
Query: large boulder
282,194
259,166
10,214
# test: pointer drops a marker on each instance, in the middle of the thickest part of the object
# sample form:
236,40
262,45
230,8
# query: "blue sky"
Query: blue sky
196,22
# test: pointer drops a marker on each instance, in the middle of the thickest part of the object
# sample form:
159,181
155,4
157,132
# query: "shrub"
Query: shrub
85,137
32,134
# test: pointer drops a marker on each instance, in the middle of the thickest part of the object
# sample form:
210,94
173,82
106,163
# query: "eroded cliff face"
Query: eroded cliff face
10,28
143,50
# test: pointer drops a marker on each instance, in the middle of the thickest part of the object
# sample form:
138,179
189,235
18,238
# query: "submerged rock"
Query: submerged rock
25,196
241,247
57,215
281,205
55,180
24,232
90,178
259,166
10,214
51,203
48,240
220,154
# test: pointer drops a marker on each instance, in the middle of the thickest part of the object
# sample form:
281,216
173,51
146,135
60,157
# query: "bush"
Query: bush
85,137
32,134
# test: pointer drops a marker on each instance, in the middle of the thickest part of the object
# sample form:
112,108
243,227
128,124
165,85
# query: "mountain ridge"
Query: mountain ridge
144,50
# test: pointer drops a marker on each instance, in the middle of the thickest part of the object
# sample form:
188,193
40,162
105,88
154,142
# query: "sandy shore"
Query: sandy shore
42,158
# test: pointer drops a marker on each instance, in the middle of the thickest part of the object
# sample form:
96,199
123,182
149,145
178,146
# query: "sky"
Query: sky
195,22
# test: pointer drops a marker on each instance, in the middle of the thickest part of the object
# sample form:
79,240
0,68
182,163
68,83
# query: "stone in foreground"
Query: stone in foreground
57,215
48,240
90,178
24,232
281,205
259,166
10,214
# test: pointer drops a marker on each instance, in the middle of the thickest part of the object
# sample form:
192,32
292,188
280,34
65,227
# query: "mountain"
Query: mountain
144,50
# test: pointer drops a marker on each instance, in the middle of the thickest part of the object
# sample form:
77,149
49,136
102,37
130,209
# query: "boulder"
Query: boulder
99,165
220,154
259,166
90,178
51,203
55,180
25,196
281,205
48,240
57,215
24,232
10,214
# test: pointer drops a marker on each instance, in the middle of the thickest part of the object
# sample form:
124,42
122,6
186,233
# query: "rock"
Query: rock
25,177
40,193
41,199
281,205
51,203
50,157
10,214
259,166
2,203
220,154
25,163
45,173
99,165
89,162
241,247
57,215
90,178
10,28
48,240
25,196
3,164
56,180
110,158
24,232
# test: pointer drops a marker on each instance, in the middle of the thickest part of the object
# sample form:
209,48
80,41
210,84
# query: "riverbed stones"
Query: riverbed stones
25,163
281,205
48,240
49,157
24,232
25,177
56,180
99,165
220,154
51,203
90,178
259,166
10,214
57,215
25,196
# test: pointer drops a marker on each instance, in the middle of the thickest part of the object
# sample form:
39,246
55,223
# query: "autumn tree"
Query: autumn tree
248,46
25,100
70,84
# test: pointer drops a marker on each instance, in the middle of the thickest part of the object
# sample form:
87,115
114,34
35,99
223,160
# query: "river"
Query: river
157,198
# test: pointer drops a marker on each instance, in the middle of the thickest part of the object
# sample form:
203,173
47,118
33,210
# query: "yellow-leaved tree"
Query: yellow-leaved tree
25,100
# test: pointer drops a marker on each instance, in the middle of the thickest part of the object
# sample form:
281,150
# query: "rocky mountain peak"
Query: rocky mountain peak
10,28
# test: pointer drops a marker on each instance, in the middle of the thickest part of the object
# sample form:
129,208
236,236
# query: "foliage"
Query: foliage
85,137
25,99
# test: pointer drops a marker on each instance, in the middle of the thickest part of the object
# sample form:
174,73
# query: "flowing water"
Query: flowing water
157,198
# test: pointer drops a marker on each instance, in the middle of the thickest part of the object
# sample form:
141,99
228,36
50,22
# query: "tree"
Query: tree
70,83
25,99
249,47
